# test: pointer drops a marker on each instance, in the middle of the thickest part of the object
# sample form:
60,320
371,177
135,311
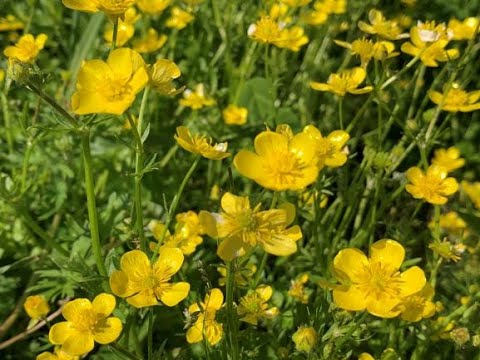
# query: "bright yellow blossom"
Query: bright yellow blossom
296,3
375,283
126,28
161,74
201,145
196,99
206,325
456,99
379,25
451,223
305,339
240,228
153,7
87,323
10,23
57,355
367,49
448,158
432,186
144,284
26,49
266,30
365,356
282,161
280,12
109,7
109,87
329,150
418,306
253,306
150,43
235,115
315,17
343,82
464,30
36,307
297,289
322,9
292,38
473,192
179,18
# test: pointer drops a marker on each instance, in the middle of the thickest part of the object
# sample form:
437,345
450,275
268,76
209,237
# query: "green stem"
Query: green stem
400,73
115,34
8,127
150,334
352,329
91,203
263,263
232,329
26,160
340,111
123,351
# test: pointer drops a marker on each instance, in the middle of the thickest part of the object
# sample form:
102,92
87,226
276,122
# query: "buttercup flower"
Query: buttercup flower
297,289
10,23
379,25
464,30
329,150
473,192
448,158
162,73
36,307
253,306
451,223
153,6
126,28
109,7
109,87
432,186
305,338
375,284
456,99
150,43
343,82
282,161
57,355
265,30
201,145
179,18
26,49
87,323
205,325
367,49
145,284
291,38
296,3
365,356
240,228
196,99
418,306
235,115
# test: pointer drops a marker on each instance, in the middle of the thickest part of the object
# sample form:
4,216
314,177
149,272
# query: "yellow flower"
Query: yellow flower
305,339
450,222
26,49
10,23
253,306
365,356
235,115
196,99
456,99
292,38
433,186
473,192
109,7
242,276
205,325
280,12
57,355
329,150
448,158
379,25
282,161
179,18
2,75
161,74
126,28
153,6
367,49
375,283
343,82
464,30
315,17
428,41
201,145
297,289
109,87
144,284
86,323
241,228
150,43
36,307
296,3
265,30
418,306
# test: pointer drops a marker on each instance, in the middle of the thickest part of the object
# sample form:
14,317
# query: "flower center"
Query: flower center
117,90
284,167
381,281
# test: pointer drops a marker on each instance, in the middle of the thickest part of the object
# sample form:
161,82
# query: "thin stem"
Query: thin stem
400,73
91,203
123,351
232,329
352,329
6,117
340,111
150,334
115,34
263,263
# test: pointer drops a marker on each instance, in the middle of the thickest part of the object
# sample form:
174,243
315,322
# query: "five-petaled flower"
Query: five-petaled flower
109,7
87,323
144,284
379,25
253,306
26,49
329,150
455,99
432,186
346,81
201,145
448,158
375,284
36,307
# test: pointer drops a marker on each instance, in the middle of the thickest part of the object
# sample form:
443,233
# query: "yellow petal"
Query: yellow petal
389,253
349,265
214,332
87,102
449,186
195,333
214,299
231,248
103,305
303,146
338,138
175,293
208,223
121,62
59,332
336,160
233,204
349,298
93,74
435,96
168,263
79,344
143,298
410,49
108,330
265,292
320,86
290,211
269,141
357,75
312,131
279,245
363,90
413,281
76,310
414,175
248,164
136,265
119,284
81,5
384,306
